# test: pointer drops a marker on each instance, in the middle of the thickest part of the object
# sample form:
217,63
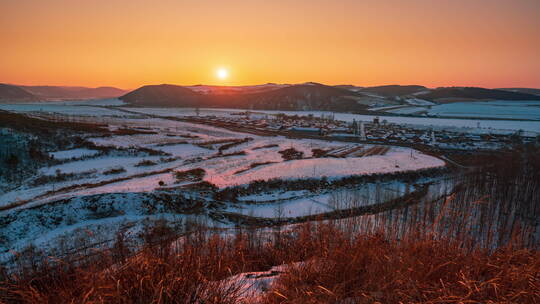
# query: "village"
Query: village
376,131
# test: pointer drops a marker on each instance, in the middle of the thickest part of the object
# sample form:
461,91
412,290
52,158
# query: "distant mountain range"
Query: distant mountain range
15,93
271,96
312,96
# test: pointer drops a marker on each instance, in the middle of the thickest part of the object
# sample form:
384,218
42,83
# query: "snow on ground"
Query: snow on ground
141,184
386,108
407,110
418,102
168,132
251,286
184,150
273,196
182,112
466,125
396,160
101,164
166,127
289,208
74,153
226,167
67,109
300,203
89,102
494,109
96,218
98,166
500,109
137,140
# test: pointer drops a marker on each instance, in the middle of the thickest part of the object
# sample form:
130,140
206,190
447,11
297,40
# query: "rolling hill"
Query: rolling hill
453,94
309,96
224,90
522,90
66,92
164,95
11,93
394,90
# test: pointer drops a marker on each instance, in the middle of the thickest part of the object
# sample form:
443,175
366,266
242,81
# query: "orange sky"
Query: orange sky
490,43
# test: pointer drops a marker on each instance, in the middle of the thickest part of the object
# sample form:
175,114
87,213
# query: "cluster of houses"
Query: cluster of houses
377,131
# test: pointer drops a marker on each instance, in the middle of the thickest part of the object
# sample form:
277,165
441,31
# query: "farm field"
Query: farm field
524,110
141,158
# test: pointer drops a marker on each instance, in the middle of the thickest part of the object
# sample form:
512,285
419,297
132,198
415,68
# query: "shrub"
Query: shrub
145,163
115,170
317,153
192,175
291,154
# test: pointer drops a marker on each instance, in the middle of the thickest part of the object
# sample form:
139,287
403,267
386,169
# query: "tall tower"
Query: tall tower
362,131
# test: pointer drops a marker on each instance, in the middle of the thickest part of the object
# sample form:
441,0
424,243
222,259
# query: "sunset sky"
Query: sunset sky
490,43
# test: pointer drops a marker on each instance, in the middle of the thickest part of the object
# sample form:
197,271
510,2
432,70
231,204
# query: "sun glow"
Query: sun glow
222,73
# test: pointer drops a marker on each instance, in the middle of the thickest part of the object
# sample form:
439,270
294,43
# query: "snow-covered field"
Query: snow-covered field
64,108
397,160
499,109
489,109
96,219
102,189
300,203
90,102
74,153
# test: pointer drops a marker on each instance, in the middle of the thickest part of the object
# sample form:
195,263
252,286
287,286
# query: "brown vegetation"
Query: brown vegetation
291,154
337,265
193,175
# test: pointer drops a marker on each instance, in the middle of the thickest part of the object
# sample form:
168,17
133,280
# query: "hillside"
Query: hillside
451,94
11,93
65,92
309,96
225,90
163,95
394,90
522,90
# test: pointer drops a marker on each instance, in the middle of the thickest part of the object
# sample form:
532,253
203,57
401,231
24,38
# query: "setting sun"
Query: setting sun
252,151
222,73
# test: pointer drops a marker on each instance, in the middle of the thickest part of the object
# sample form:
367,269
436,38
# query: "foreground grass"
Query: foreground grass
371,269
337,266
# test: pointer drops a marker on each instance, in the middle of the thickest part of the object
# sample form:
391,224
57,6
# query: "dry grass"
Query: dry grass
339,266
370,269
